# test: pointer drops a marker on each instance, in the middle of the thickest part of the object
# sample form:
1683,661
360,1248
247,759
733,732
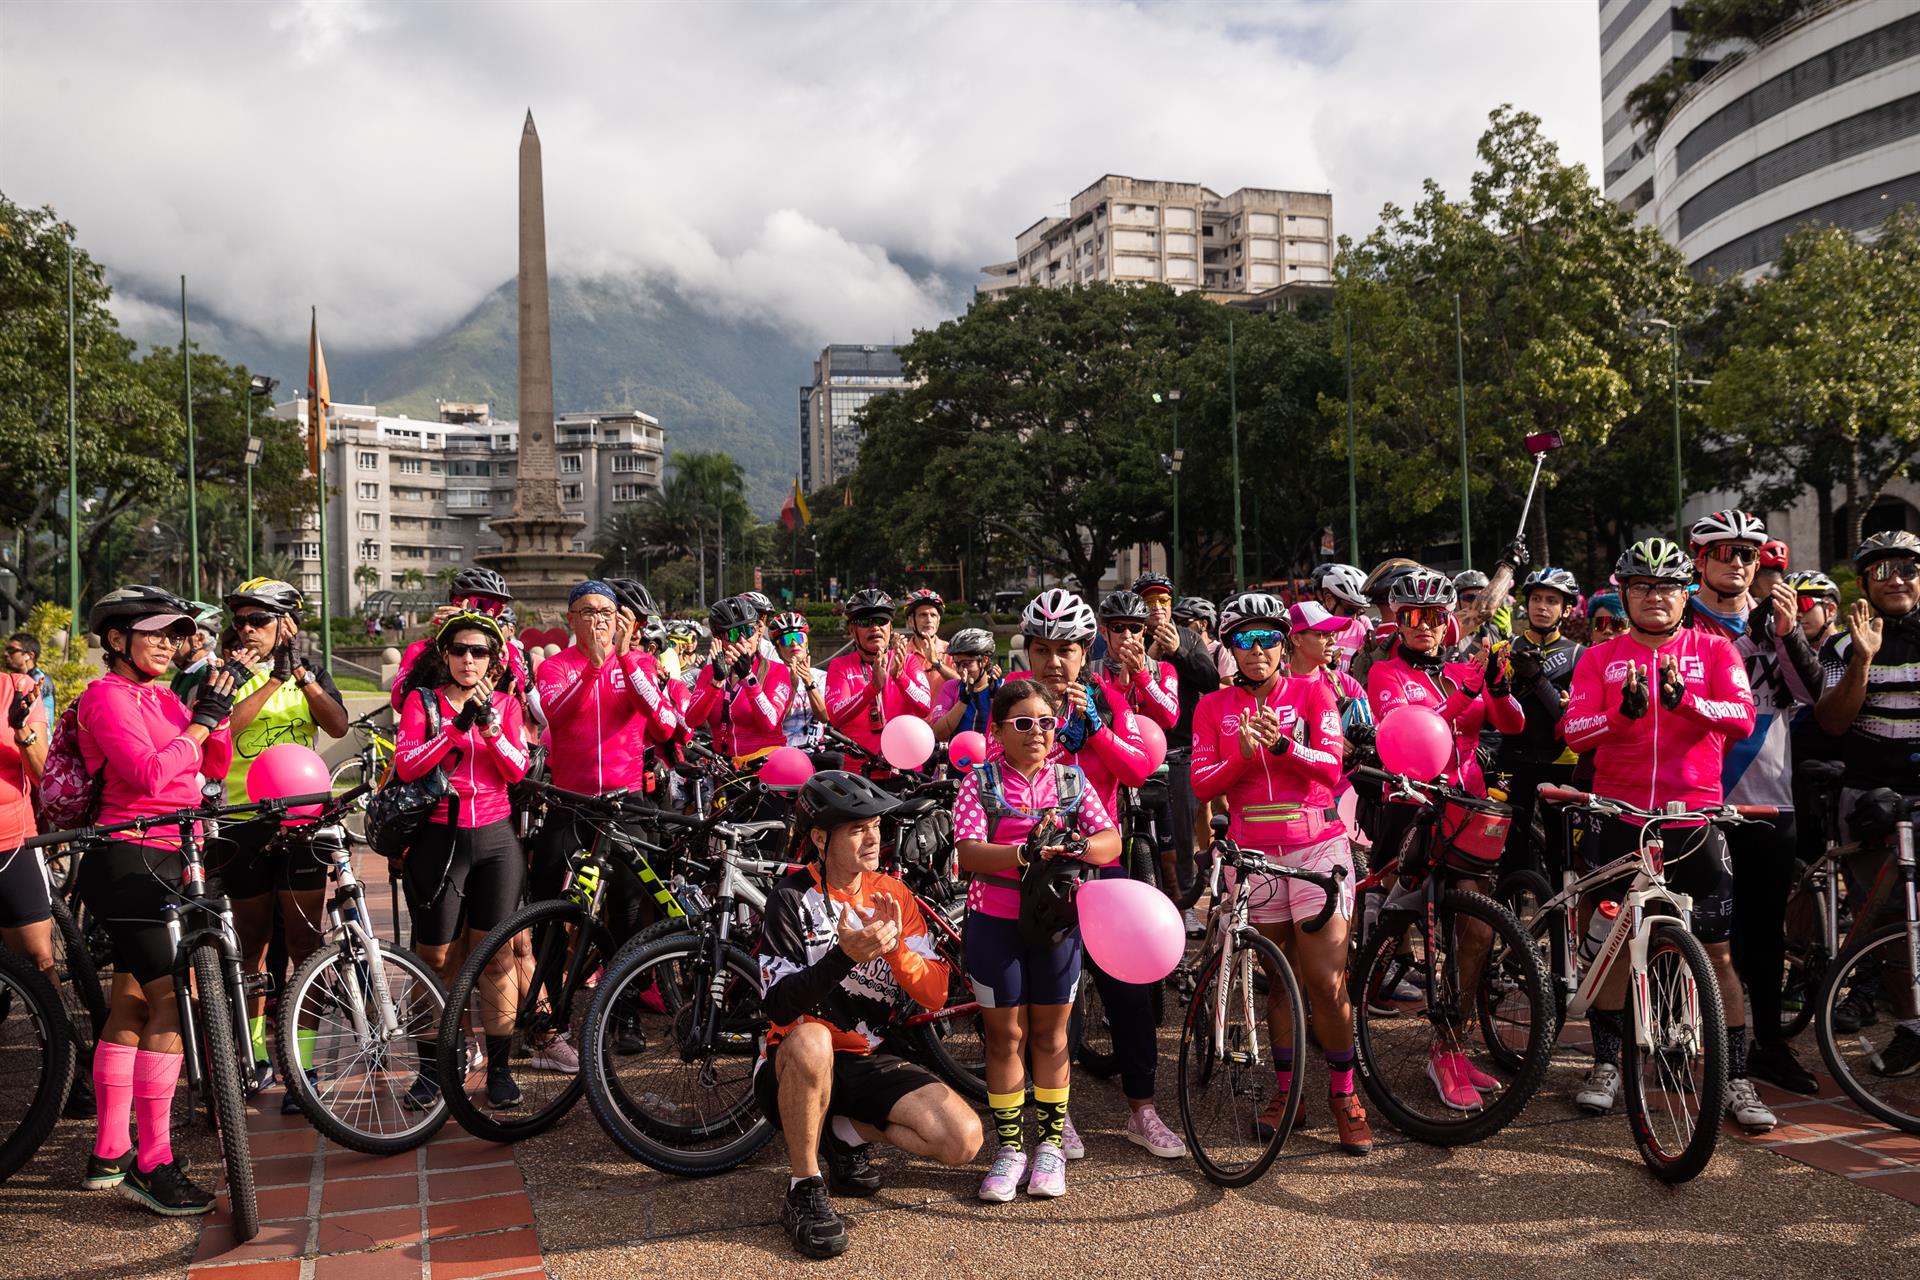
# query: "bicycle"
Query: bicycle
1226,1078
36,1061
1674,1055
366,1004
365,768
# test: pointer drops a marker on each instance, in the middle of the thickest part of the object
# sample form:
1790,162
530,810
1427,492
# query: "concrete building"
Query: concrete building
411,493
1135,230
1637,39
845,377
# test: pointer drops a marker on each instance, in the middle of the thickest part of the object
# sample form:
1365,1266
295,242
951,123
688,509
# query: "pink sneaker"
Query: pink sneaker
1002,1182
651,1001
1450,1080
1478,1078
1146,1129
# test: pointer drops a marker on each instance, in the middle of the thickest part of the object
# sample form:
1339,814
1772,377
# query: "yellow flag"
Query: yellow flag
319,398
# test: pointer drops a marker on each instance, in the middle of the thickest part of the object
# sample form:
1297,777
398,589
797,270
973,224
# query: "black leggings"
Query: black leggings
475,873
1135,1037
24,896
629,905
1762,879
1519,852
125,886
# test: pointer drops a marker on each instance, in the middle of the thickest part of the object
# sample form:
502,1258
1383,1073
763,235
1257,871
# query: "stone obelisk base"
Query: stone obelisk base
540,576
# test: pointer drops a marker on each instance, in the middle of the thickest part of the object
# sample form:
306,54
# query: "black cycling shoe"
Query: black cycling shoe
107,1172
289,1104
849,1171
261,1080
1902,1056
423,1096
165,1190
81,1104
815,1229
502,1093
1776,1064
628,1039
1854,1012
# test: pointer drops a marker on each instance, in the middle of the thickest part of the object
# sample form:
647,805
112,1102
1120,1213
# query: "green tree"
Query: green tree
367,578
1821,381
1710,26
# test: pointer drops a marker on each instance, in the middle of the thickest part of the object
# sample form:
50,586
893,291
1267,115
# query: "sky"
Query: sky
775,161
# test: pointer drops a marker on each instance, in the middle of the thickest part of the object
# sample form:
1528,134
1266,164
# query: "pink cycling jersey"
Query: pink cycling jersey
1274,801
1154,691
997,893
852,688
133,734
1665,755
484,766
1350,640
516,664
600,720
1393,682
753,707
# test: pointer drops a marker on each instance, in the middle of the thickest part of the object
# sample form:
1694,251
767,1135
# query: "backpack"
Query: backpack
69,791
1048,890
398,810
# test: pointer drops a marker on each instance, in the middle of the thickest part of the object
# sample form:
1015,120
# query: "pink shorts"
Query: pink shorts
1277,900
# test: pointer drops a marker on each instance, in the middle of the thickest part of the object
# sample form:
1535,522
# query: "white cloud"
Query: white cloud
765,158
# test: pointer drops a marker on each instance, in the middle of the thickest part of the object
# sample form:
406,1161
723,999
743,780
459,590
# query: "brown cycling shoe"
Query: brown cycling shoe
1268,1120
1356,1139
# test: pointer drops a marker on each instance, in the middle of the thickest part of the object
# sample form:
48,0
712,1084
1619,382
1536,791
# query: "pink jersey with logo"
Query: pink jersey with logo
1393,682
601,719
1350,640
479,767
1274,801
851,691
1664,755
753,707
1154,691
997,893
134,735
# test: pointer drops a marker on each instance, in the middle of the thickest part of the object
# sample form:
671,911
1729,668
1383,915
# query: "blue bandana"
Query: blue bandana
591,587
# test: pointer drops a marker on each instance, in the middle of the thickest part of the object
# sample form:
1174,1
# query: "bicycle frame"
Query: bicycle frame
216,929
347,924
1910,894
1630,932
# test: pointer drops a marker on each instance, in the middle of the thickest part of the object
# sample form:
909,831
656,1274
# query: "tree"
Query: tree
413,579
1821,380
703,498
367,578
1710,26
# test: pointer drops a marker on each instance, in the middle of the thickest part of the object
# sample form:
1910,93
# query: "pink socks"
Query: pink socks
113,1094
154,1078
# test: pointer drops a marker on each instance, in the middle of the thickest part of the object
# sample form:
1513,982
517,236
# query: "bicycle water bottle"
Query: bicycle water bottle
1597,930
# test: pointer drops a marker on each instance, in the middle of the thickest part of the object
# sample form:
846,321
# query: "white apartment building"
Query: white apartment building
1136,230
1637,39
417,494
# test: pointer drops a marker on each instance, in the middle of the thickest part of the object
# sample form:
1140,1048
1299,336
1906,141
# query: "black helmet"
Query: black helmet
1151,581
868,603
1654,558
1123,604
1187,608
1380,582
733,611
1894,542
630,593
267,593
832,797
476,581
125,606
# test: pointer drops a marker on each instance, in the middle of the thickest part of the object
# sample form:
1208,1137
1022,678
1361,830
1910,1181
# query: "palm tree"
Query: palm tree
413,579
366,577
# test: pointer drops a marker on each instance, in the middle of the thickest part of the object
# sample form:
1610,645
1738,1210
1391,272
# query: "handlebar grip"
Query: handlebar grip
1319,921
1757,810
1562,795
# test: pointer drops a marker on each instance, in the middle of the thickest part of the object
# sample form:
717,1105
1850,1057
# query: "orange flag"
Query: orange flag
319,397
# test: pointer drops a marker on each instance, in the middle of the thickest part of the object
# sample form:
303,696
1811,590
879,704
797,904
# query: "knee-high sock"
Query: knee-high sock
113,1099
154,1078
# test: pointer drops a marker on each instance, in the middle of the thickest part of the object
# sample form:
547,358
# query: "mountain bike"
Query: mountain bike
1226,1075
1674,1055
365,1005
36,1060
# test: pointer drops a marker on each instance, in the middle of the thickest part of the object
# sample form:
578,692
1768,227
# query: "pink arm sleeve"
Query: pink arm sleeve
130,748
414,755
1159,698
1217,762
1120,748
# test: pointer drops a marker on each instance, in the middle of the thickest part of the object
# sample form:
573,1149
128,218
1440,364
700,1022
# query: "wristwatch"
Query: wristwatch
33,736
303,677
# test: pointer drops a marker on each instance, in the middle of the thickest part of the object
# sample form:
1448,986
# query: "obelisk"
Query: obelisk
536,543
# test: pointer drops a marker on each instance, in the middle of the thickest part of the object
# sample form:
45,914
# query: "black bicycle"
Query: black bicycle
36,1061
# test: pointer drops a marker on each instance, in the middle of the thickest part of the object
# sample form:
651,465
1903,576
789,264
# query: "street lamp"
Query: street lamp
258,385
1679,482
1173,465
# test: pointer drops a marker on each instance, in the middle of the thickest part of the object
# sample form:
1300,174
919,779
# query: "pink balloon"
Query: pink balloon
906,742
288,769
1154,739
1130,929
1414,741
787,767
967,750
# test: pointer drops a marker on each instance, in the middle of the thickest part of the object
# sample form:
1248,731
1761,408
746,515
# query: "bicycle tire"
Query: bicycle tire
1202,872
305,989
1806,963
74,963
1681,1161
1253,1079
549,922
36,1048
1522,892
1093,1053
637,1124
226,1089
947,1046
1851,1059
1386,1045
347,775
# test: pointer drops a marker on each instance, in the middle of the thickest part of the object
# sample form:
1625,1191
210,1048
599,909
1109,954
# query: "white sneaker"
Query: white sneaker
1146,1129
1196,928
556,1055
1744,1105
1601,1089
1070,1144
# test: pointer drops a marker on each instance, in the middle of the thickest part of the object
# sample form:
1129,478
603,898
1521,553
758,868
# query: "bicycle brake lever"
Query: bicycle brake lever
1333,900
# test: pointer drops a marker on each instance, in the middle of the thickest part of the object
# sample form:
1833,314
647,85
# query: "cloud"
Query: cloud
773,160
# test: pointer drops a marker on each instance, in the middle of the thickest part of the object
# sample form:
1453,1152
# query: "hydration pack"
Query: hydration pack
69,791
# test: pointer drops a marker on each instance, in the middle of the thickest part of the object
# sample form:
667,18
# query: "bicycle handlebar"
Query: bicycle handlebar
1253,860
1550,794
274,808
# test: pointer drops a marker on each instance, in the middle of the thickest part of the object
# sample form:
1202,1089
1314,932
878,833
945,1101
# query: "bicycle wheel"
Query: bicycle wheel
347,775
1879,1064
36,1061
1227,1080
684,1105
1405,1050
1522,892
80,987
362,1073
226,1088
547,990
1089,1035
1806,961
954,1045
1202,872
1675,1092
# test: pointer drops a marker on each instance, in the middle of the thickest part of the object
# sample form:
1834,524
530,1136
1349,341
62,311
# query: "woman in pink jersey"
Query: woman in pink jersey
466,867
150,751
880,680
1271,746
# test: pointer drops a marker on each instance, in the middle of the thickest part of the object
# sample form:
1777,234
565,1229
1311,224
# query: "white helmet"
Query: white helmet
1345,582
1423,587
1727,526
1249,607
1058,614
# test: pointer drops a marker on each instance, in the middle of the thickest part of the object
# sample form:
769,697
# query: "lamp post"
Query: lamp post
258,385
193,477
1353,481
1233,415
73,472
1173,465
1466,508
1679,480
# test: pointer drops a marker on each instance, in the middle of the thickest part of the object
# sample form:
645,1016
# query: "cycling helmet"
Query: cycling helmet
1151,581
1057,614
630,593
684,630
1123,604
508,618
969,642
761,605
869,603
1773,555
1727,526
1187,608
654,634
1470,580
920,596
1654,558
1811,582
267,593
1419,586
1894,542
206,615
125,606
733,611
782,622
1554,579
479,582
1381,580
470,620
1345,582
832,797
1252,608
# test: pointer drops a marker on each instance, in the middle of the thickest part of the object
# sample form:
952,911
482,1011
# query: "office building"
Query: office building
1638,39
845,377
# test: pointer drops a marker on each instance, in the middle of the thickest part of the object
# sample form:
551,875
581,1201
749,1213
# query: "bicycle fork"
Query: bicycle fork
220,934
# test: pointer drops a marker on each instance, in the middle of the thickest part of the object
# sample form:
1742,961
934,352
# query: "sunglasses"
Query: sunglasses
15,651
1422,615
253,621
1607,622
1127,628
1245,640
1027,724
1905,570
1727,553
791,637
481,604
736,634
1809,603
871,621
468,651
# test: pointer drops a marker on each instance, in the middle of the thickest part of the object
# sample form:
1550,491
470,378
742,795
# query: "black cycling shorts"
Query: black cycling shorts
240,865
24,896
866,1086
1704,873
124,886
455,873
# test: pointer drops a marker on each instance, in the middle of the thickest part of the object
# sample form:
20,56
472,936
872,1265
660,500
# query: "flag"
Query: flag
800,503
793,512
319,398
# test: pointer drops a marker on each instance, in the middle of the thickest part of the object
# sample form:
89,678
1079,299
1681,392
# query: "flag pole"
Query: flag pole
193,478
316,432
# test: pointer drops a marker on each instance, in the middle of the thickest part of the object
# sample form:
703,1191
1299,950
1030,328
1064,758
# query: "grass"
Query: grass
356,684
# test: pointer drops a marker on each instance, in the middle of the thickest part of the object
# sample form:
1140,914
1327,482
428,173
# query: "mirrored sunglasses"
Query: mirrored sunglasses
1245,640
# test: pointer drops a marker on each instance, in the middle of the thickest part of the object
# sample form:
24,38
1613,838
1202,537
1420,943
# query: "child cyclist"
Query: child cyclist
1011,827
